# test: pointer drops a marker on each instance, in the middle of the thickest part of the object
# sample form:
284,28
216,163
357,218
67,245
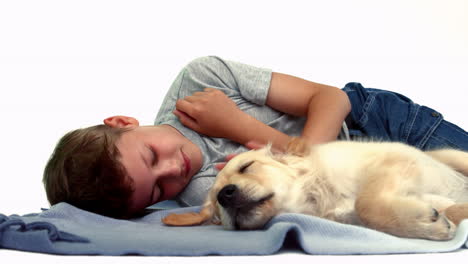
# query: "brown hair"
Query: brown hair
84,171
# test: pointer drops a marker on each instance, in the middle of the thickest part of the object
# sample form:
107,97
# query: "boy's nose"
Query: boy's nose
171,168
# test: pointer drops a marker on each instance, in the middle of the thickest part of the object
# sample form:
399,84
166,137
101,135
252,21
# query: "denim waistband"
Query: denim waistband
389,116
422,122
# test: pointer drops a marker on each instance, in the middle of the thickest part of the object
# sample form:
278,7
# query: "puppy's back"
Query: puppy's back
349,162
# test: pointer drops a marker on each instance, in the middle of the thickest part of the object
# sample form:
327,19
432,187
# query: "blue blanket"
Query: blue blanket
64,229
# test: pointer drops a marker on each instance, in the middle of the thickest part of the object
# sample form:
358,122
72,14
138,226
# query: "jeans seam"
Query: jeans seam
458,129
443,140
410,126
365,109
429,133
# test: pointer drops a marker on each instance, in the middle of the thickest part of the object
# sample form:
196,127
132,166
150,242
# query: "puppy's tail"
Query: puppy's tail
456,159
192,218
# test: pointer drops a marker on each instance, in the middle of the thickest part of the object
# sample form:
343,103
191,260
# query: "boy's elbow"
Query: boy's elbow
343,100
346,102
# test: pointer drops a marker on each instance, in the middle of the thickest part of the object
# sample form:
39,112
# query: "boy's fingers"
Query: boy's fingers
220,166
230,156
184,106
258,145
198,93
209,89
185,119
254,145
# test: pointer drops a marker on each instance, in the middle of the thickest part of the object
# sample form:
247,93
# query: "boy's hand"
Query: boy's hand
210,112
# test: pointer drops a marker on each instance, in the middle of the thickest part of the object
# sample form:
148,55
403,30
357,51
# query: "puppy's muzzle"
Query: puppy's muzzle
229,196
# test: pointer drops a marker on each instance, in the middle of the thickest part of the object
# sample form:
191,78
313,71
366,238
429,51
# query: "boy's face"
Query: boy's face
159,159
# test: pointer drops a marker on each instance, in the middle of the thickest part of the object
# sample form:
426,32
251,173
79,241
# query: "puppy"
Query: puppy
390,187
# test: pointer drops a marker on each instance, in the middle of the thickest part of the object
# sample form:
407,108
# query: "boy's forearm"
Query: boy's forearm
325,117
251,129
324,106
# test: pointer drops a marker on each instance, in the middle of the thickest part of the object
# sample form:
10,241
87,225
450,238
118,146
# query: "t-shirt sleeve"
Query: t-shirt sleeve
240,82
250,82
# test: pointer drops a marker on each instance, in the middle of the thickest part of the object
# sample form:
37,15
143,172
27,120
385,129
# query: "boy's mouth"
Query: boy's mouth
187,165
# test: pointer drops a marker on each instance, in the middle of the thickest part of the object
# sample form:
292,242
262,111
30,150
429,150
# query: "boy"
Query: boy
216,107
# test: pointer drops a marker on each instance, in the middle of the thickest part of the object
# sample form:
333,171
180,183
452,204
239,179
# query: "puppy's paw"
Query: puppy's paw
439,227
298,146
432,225
412,219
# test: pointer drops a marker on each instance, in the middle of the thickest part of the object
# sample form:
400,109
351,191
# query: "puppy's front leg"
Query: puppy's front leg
385,205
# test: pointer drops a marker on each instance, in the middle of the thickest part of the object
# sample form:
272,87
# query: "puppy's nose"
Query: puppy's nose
227,197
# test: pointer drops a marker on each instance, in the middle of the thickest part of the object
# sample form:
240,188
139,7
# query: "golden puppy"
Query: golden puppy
389,187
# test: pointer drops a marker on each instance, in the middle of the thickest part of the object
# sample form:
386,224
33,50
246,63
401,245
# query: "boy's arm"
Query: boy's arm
325,106
212,113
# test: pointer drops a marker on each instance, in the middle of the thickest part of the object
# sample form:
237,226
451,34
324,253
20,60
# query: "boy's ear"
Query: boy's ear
189,219
121,122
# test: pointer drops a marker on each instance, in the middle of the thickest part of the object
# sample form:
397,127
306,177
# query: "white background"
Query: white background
70,64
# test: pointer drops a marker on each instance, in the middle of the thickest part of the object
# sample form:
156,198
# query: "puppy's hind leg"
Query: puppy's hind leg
455,159
385,203
457,212
412,218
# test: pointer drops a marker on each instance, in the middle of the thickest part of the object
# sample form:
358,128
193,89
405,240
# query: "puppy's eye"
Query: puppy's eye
245,166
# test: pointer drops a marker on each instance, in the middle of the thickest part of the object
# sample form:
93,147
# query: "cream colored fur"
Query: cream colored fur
389,187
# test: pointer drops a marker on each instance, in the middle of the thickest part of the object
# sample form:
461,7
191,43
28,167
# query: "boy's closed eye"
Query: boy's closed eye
153,157
151,161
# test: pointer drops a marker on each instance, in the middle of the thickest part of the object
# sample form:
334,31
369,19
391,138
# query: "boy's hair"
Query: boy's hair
84,171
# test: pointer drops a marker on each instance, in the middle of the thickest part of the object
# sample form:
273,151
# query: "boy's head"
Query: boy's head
84,170
120,168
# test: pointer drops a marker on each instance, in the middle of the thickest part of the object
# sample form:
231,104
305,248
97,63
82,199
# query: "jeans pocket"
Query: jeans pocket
380,114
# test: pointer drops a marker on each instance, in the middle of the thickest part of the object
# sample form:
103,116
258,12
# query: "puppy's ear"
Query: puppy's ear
190,219
457,212
298,146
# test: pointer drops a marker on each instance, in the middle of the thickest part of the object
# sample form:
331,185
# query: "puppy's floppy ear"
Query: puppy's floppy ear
192,218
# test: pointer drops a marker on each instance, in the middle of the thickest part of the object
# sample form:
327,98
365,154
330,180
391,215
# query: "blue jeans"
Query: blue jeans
389,116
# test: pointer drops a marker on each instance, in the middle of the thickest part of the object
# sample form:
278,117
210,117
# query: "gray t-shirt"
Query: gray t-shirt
248,87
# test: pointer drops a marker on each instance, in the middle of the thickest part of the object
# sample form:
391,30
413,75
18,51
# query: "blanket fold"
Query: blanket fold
65,229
